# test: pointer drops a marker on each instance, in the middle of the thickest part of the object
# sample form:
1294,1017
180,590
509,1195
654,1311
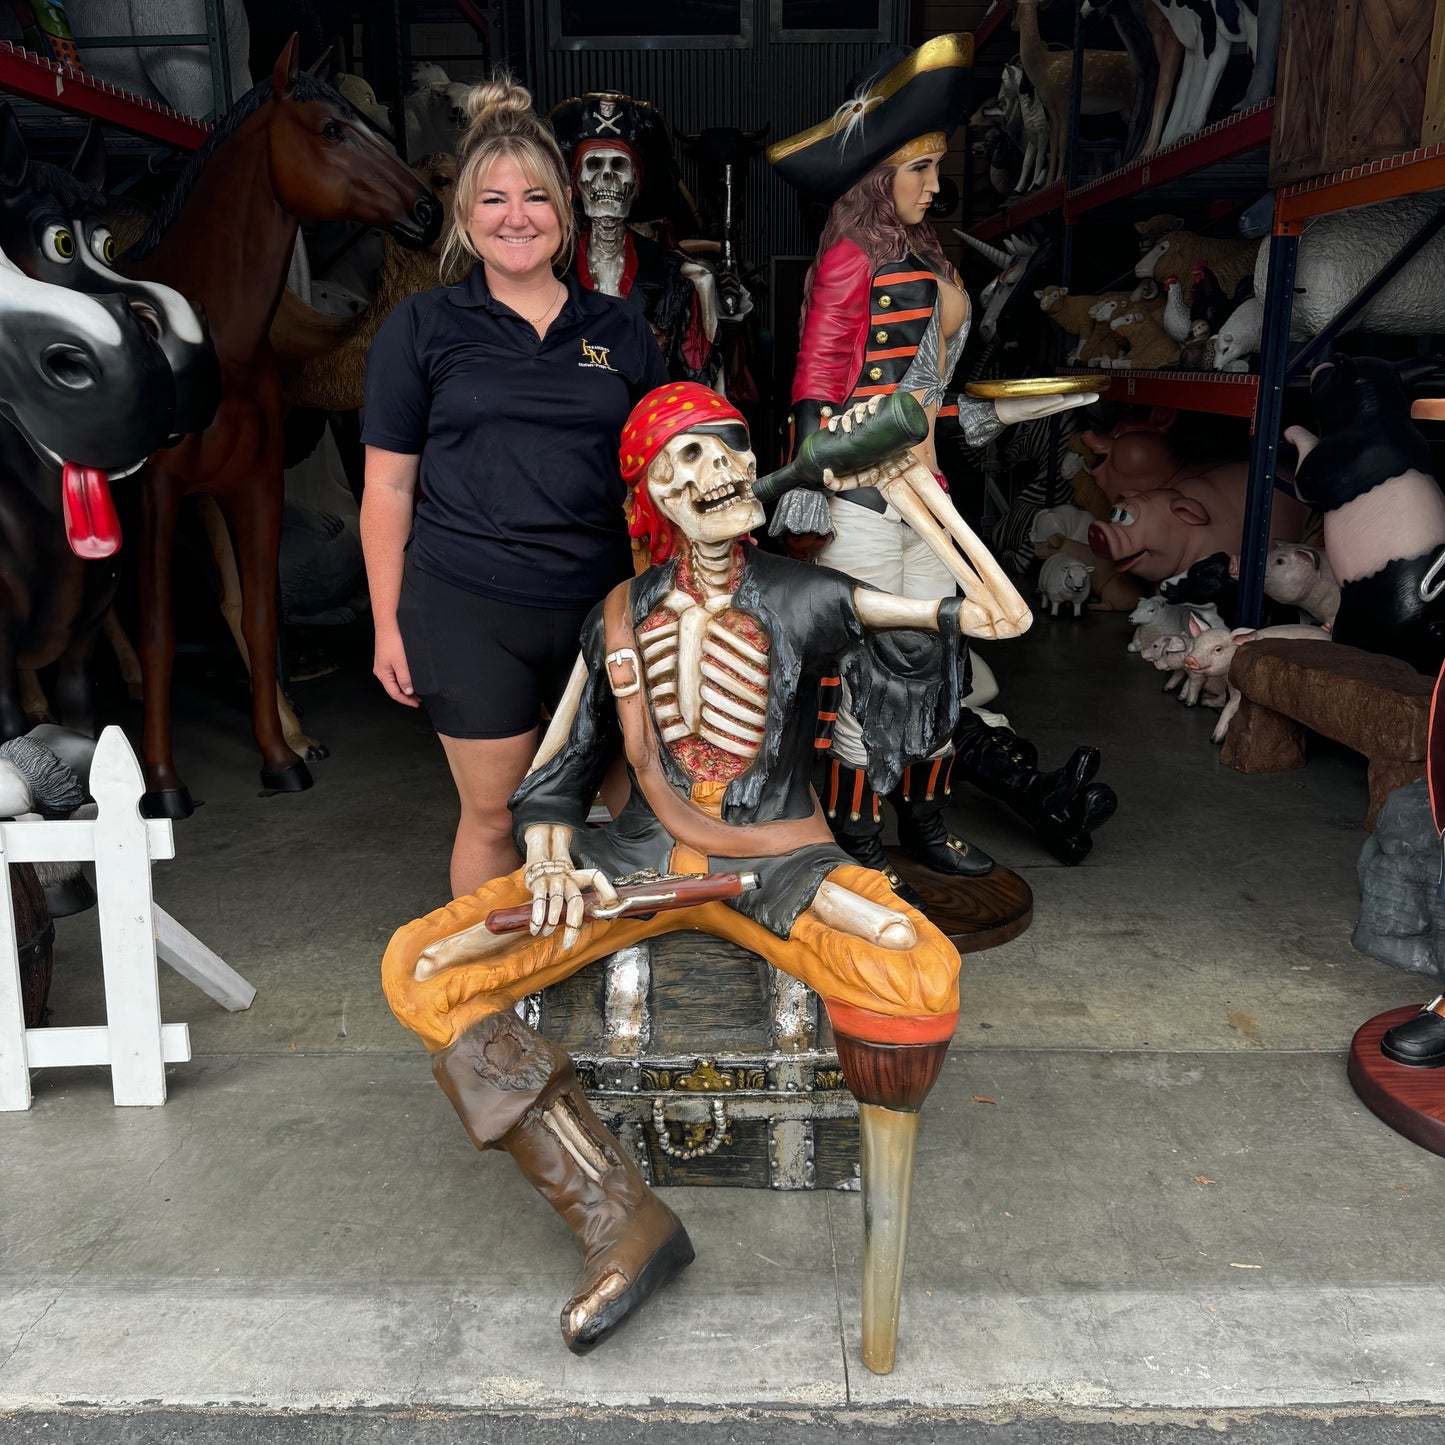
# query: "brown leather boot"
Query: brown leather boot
517,1091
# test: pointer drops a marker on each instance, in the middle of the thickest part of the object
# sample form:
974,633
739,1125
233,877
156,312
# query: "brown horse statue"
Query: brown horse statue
288,151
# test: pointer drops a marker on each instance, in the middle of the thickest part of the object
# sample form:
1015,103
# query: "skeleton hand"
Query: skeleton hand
1012,409
556,885
869,476
735,301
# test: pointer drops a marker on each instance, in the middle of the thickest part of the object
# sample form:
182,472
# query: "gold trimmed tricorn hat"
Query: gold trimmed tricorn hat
907,103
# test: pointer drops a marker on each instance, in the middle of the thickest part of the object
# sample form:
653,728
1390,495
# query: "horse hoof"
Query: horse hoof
315,752
69,896
173,803
295,779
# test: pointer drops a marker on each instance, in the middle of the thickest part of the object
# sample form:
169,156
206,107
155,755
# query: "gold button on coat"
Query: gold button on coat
880,337
875,373
885,301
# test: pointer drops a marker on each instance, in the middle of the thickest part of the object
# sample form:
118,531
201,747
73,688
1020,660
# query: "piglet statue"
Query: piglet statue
1063,581
1170,655
1301,576
1213,650
1371,473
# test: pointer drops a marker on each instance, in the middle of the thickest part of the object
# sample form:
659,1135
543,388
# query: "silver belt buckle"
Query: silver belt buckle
624,656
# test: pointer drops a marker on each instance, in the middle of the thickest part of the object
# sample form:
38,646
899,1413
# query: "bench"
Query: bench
1377,705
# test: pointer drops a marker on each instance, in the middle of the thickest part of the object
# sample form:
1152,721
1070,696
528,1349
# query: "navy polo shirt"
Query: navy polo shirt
521,496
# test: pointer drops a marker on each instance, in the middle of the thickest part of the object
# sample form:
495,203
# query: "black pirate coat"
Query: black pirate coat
906,686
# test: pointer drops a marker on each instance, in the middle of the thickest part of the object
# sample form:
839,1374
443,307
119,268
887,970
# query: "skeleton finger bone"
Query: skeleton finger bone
850,912
920,502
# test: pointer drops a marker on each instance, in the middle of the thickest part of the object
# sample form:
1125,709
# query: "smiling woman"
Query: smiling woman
492,519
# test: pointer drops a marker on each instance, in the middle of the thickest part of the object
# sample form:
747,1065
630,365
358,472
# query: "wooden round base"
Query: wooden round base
975,913
1410,1101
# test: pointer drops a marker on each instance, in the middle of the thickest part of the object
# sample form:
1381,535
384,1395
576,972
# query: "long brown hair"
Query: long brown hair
865,214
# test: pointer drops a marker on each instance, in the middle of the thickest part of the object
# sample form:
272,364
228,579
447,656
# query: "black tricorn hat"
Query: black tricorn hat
609,118
904,96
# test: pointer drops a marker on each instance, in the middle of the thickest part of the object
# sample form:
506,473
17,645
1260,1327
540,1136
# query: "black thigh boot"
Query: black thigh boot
919,800
856,818
1062,807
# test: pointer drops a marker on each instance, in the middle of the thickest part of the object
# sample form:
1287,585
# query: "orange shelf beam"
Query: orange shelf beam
73,90
1029,208
1405,174
996,19
1216,393
1215,144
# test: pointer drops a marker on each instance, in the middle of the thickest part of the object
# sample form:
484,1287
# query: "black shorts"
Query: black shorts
483,669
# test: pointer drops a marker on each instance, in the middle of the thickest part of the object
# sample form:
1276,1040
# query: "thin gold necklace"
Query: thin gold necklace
533,320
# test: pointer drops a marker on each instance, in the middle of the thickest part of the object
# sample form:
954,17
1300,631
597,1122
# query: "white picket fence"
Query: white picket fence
134,936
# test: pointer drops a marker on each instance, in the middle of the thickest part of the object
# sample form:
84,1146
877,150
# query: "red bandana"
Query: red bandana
661,415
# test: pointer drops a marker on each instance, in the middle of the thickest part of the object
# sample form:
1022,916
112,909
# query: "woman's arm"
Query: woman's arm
387,504
830,347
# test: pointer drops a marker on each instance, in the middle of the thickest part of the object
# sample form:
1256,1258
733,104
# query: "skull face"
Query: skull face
608,182
705,488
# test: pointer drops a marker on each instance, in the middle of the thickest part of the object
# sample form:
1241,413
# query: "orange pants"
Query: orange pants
877,994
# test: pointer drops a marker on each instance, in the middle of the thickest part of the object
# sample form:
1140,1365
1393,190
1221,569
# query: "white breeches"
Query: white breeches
884,550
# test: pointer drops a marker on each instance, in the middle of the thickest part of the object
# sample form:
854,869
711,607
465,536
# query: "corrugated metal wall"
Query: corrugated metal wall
789,85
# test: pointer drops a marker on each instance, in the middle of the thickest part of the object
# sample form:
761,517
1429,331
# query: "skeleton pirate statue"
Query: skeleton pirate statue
623,171
885,312
705,671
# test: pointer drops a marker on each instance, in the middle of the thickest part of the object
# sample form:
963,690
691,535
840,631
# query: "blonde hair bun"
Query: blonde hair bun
499,104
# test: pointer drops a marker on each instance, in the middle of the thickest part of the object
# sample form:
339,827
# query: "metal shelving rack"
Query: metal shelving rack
75,91
1227,157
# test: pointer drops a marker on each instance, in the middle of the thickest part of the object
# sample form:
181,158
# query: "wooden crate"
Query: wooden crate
1353,82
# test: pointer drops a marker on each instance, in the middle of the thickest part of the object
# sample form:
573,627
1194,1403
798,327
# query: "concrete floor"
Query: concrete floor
1143,1185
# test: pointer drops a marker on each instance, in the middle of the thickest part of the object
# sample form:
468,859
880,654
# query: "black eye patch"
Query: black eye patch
732,434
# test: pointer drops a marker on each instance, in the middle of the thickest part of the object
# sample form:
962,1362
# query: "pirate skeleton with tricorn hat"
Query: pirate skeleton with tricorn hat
704,672
624,173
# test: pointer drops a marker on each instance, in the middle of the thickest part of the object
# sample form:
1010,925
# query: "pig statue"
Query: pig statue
1135,456
1063,580
1213,650
1168,514
1371,473
1301,576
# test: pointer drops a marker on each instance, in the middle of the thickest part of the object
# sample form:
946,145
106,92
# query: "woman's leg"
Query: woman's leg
486,772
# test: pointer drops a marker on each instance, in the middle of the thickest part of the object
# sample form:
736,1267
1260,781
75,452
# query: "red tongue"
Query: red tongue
91,524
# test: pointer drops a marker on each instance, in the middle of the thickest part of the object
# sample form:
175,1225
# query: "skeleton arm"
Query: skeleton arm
705,284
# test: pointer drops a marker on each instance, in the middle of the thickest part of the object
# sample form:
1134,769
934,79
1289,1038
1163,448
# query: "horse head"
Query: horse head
1016,259
326,165
52,228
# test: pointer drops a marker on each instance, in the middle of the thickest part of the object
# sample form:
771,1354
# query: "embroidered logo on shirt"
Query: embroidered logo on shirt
596,356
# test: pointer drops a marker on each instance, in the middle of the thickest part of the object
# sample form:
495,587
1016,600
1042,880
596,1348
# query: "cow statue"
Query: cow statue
1371,473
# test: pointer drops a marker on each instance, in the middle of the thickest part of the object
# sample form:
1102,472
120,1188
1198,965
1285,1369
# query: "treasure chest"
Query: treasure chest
709,1065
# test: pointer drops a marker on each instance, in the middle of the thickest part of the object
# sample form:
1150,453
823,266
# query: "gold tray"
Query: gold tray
1039,385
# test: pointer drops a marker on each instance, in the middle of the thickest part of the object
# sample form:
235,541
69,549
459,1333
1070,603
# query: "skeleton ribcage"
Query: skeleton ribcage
706,679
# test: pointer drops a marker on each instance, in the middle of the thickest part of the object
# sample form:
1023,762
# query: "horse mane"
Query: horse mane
306,87
73,196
